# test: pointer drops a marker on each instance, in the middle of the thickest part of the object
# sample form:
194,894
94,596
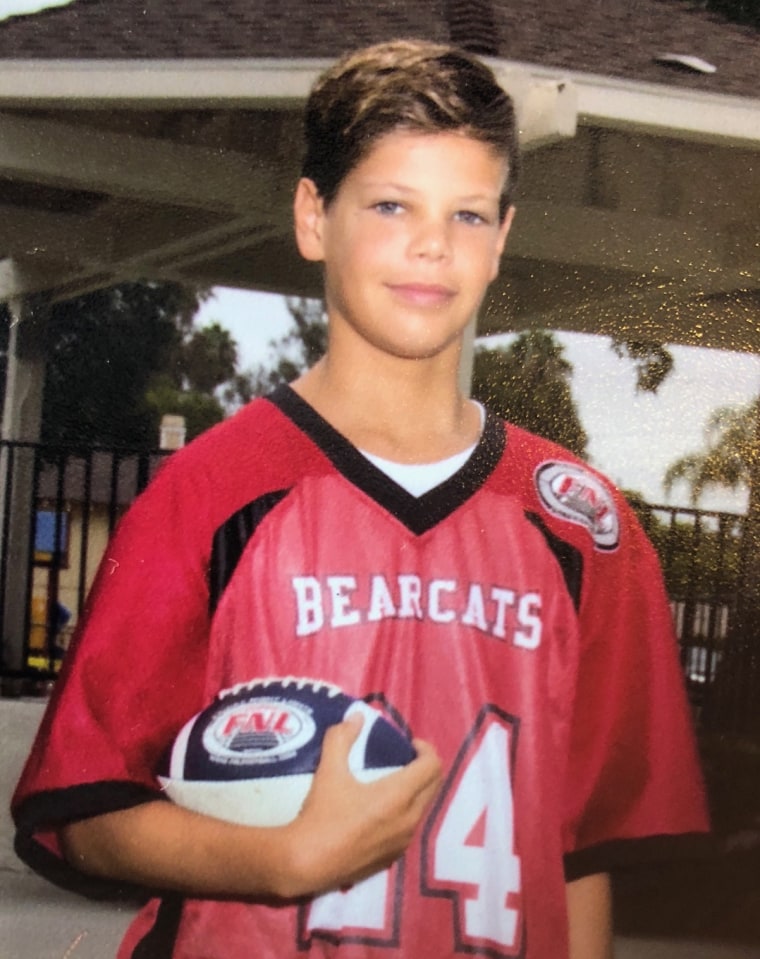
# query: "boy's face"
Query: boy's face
410,242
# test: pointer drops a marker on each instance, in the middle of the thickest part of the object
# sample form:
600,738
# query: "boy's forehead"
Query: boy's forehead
464,169
403,150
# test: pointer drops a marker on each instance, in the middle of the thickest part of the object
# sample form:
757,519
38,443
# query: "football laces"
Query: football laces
299,682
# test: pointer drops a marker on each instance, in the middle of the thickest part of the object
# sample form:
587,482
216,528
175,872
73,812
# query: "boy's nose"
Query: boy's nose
431,239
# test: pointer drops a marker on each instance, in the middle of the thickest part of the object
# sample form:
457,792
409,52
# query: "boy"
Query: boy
372,527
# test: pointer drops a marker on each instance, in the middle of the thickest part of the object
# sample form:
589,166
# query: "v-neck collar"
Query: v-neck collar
417,513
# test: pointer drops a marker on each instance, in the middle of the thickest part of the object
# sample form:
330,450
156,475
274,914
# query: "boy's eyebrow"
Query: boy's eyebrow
401,188
387,185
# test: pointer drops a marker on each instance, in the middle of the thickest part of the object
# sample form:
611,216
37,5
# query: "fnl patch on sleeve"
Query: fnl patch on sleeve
574,494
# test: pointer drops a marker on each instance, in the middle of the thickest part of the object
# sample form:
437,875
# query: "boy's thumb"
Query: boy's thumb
339,739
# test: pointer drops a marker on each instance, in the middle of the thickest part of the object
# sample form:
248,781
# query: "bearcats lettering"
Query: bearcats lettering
338,601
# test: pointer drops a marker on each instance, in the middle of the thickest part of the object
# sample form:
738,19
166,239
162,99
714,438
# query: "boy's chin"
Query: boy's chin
424,349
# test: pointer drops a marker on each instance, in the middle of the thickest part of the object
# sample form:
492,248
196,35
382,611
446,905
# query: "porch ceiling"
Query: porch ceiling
624,227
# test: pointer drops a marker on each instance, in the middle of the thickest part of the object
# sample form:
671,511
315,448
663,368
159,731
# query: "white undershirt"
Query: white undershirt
420,478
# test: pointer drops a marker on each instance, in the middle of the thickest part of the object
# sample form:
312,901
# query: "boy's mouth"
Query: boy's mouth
422,294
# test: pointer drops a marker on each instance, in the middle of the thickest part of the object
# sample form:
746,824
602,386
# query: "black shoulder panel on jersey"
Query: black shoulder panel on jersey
48,810
569,558
418,513
230,541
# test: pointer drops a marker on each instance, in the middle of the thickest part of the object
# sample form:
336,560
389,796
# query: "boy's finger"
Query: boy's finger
427,757
339,739
424,772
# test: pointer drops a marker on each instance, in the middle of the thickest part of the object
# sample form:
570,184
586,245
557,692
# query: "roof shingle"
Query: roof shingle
613,37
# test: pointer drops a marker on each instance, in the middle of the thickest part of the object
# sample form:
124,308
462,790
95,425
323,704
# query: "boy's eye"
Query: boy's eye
387,207
469,216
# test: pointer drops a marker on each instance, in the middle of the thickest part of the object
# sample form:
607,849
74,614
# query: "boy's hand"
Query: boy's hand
348,830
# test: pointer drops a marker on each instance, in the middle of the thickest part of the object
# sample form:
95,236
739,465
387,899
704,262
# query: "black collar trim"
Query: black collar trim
419,514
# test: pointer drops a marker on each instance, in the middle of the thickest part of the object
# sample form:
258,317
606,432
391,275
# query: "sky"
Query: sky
633,437
17,8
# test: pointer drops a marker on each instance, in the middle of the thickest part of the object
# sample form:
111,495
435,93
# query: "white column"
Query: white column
467,357
22,416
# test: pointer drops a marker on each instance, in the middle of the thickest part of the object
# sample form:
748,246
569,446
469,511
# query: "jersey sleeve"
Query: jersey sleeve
133,676
634,787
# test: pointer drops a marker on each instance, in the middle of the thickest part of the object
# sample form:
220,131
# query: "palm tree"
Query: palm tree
729,456
732,458
528,383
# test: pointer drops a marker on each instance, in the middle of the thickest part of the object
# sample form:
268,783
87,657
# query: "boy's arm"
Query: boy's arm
589,913
346,831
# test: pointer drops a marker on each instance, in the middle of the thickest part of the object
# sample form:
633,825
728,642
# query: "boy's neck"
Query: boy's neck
416,415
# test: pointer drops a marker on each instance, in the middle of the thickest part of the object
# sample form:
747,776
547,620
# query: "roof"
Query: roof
617,38
161,140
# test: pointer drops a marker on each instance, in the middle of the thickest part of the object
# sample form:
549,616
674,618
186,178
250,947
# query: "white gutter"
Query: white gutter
156,83
601,100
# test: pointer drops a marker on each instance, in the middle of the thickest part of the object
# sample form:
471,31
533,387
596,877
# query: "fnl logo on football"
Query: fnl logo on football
262,731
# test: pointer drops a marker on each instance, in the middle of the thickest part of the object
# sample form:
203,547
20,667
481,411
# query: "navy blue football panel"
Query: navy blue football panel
387,746
326,709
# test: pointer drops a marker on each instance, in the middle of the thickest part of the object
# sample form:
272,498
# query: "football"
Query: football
249,757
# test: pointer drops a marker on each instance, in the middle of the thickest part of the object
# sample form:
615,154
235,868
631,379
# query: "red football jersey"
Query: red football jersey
514,616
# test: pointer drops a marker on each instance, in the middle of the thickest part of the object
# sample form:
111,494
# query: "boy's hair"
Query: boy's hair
410,85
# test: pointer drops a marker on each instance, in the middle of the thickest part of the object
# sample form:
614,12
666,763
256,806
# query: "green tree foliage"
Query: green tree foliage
528,383
297,351
206,358
729,455
653,362
310,336
122,357
201,361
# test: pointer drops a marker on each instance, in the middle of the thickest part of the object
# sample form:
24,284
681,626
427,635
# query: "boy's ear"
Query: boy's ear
504,228
308,217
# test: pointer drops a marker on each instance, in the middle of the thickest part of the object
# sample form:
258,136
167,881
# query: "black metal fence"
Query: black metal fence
58,508
704,557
